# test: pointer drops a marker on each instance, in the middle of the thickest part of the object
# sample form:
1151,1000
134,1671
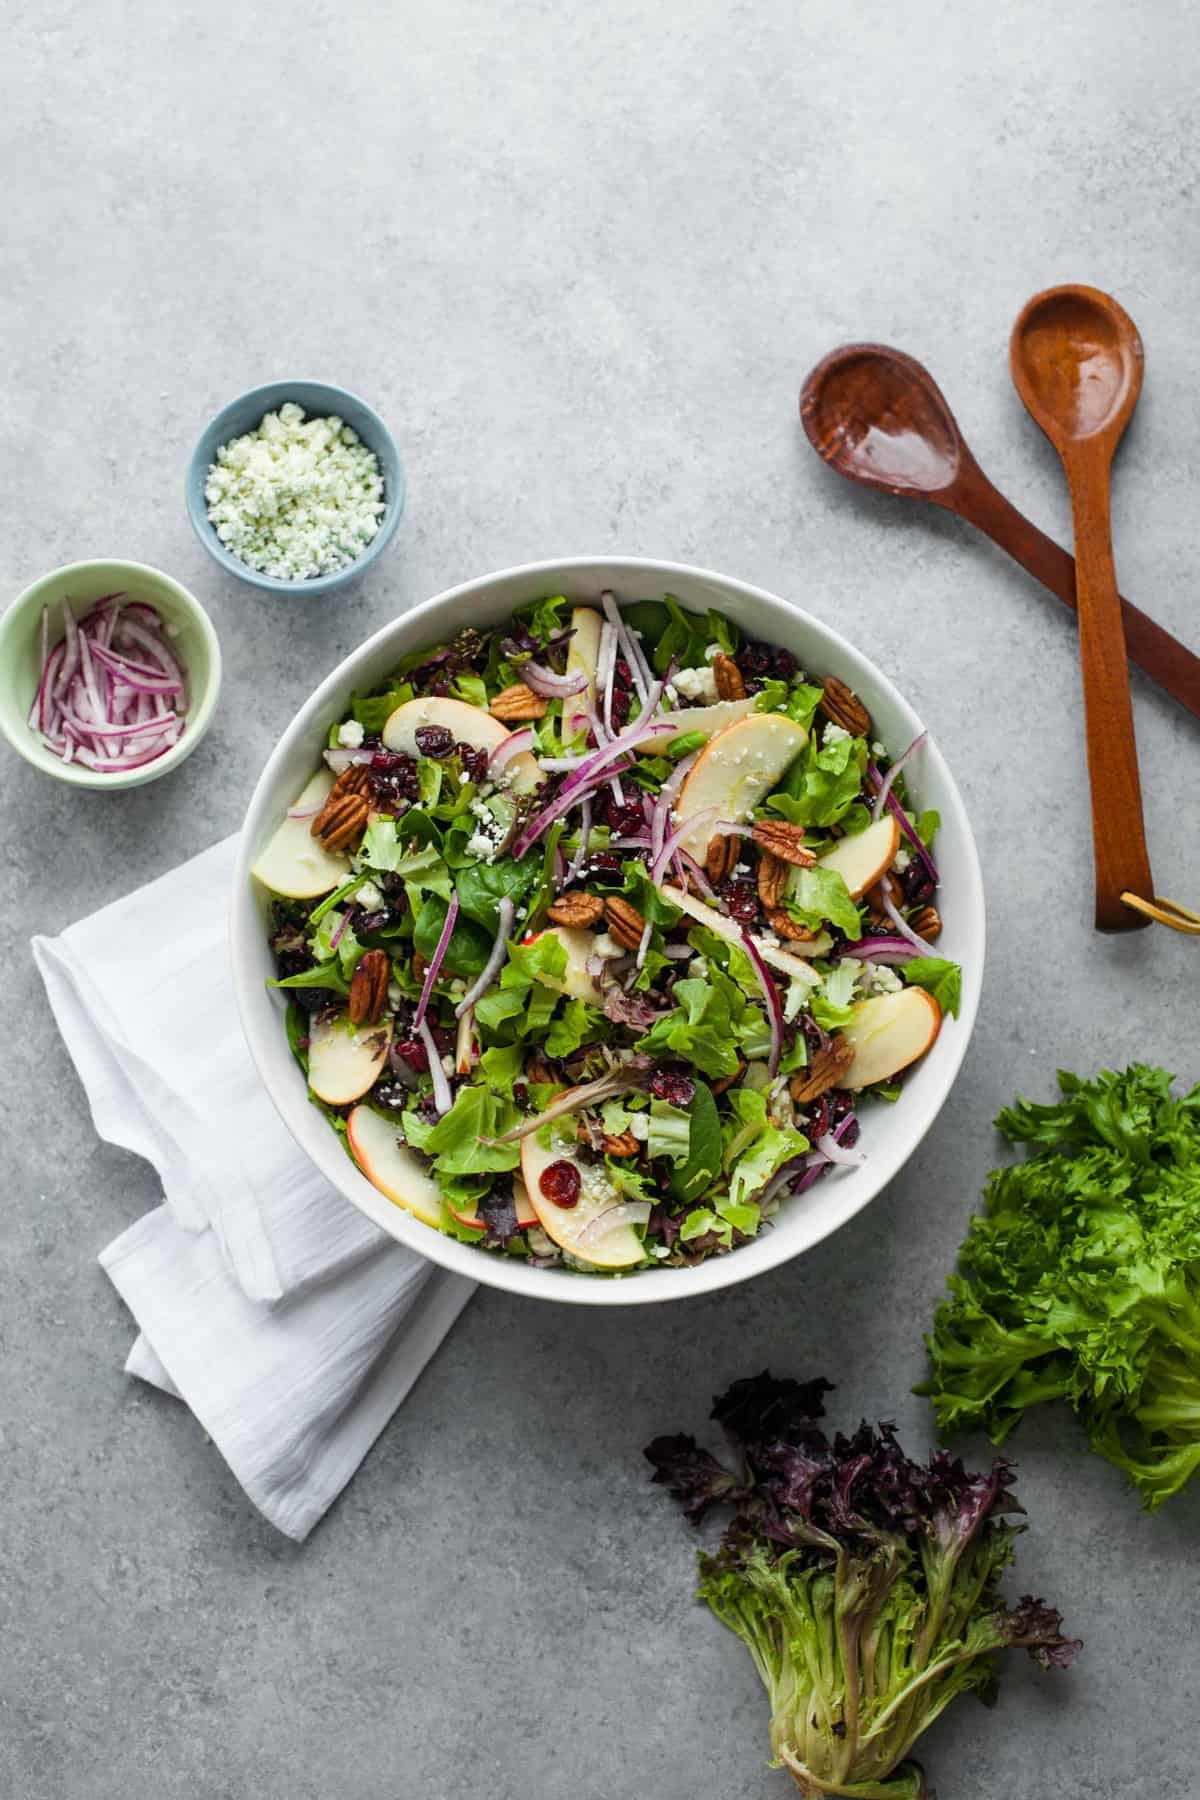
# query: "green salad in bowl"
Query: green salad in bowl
598,929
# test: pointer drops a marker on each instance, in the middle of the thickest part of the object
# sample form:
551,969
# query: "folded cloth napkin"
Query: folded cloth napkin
289,1324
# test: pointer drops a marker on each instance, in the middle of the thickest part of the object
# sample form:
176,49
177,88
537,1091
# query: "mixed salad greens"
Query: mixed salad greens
863,1584
1080,1281
597,927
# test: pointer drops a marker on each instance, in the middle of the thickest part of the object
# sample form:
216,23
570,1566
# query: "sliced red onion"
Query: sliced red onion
293,812
586,778
339,933
443,1098
435,961
154,644
880,949
71,639
89,728
585,832
606,662
906,931
639,841
643,946
783,1177
661,817
117,764
834,1152
888,780
479,987
902,819
642,679
698,877
672,843
774,1007
512,745
550,686
626,1212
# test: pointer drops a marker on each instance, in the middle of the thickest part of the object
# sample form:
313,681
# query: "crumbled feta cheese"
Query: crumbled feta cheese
834,734
369,897
711,652
351,734
482,846
295,498
878,750
639,1124
902,859
448,1064
698,968
395,994
697,684
742,868
605,946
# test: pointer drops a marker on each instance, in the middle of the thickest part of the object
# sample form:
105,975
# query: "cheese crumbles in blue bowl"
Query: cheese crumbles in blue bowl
295,487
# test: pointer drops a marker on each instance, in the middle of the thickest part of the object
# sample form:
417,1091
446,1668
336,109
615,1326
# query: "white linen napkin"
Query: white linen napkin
289,1324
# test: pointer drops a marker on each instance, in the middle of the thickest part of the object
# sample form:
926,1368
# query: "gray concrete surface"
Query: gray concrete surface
580,257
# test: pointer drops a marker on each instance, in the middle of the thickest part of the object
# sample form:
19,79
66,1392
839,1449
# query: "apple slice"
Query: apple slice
343,1062
388,1164
294,863
583,653
708,719
862,859
889,1032
619,1248
469,725
733,772
576,983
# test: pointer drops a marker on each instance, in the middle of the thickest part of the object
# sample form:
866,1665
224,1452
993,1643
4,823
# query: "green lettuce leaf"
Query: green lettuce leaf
938,977
817,896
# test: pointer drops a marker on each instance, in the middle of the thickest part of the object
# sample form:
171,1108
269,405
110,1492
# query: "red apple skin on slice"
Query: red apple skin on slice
734,771
888,1033
862,859
390,1165
621,1248
344,1061
469,724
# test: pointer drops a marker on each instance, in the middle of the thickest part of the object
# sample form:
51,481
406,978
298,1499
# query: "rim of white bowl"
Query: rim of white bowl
857,1188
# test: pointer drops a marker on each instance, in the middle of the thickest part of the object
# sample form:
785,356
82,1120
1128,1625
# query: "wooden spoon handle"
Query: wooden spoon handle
1175,668
1118,830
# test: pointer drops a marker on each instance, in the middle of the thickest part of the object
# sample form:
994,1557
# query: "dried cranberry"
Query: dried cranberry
601,862
312,1000
741,900
624,820
918,889
818,1118
520,1093
393,780
783,665
440,686
622,701
560,1183
474,762
434,740
413,1052
754,660
621,674
671,1086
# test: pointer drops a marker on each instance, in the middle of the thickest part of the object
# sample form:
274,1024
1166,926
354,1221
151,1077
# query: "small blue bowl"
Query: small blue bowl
319,400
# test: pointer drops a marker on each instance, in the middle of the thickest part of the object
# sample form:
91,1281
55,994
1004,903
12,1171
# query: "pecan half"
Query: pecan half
419,965
576,909
727,1081
622,1145
341,823
825,1071
728,678
784,926
368,988
772,881
625,922
539,1072
517,703
720,856
927,922
353,780
842,706
784,841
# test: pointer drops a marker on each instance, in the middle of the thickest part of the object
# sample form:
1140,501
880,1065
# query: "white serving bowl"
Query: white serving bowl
890,1133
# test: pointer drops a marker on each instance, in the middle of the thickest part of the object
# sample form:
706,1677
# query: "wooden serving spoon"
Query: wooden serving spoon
1077,359
878,417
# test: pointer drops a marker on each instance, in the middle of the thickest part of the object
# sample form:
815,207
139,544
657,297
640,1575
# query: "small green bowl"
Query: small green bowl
192,637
